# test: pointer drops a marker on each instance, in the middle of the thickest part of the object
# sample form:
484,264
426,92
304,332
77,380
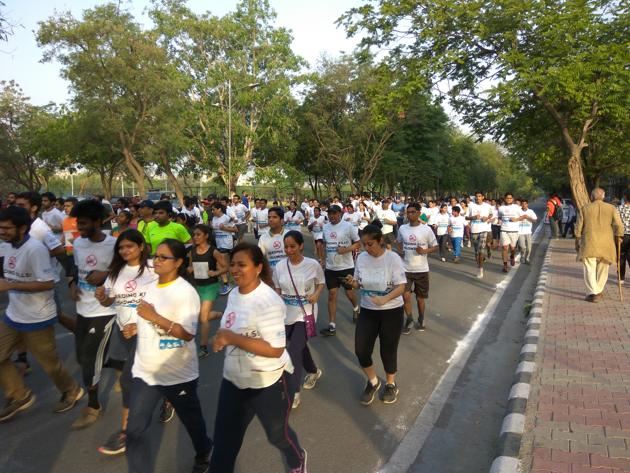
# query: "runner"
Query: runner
365,218
340,239
241,214
254,380
495,227
415,242
293,218
380,276
271,243
206,264
146,222
165,228
440,222
93,254
129,278
509,214
316,227
388,218
352,217
526,220
299,281
223,230
30,316
166,364
456,225
480,215
51,214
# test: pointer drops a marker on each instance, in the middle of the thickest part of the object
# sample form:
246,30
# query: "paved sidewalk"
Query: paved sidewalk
578,416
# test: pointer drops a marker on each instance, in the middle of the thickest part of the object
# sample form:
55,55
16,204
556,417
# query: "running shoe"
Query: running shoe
89,416
167,411
296,401
225,289
311,379
505,268
407,327
115,445
13,406
456,259
202,464
69,399
203,353
420,327
480,273
512,260
330,331
390,395
368,393
355,315
302,467
443,260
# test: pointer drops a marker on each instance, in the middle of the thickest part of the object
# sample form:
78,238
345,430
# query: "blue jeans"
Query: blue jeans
457,246
144,400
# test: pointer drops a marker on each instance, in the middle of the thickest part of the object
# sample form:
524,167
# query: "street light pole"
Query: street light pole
229,138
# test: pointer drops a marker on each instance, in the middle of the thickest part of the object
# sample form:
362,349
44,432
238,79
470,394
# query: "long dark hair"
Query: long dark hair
179,252
257,256
118,263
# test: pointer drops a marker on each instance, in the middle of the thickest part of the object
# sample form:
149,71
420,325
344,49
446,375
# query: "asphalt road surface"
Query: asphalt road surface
339,433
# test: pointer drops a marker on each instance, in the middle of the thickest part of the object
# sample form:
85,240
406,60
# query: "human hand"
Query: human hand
100,294
130,331
221,339
147,311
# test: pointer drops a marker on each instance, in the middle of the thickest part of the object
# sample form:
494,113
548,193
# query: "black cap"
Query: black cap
334,208
146,203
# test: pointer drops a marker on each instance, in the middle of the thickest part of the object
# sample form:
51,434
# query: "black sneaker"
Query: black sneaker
202,464
115,445
302,467
390,395
166,412
368,393
420,327
69,399
407,328
13,406
330,331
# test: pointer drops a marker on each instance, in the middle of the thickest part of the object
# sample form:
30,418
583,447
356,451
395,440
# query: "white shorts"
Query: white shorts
509,239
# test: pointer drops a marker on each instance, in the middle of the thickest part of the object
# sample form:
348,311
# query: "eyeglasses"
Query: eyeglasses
163,258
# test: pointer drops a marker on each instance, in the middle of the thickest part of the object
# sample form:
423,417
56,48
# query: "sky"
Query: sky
312,24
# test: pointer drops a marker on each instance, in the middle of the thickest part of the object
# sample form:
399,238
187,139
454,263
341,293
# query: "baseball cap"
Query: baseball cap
146,203
334,208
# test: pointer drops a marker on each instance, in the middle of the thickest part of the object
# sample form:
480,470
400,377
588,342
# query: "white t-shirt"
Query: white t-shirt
54,219
430,212
292,220
163,359
378,277
91,256
30,262
306,276
457,225
41,232
352,218
525,226
259,314
128,290
318,227
363,223
483,210
224,239
506,212
262,218
240,212
441,221
413,237
388,214
342,234
194,213
272,246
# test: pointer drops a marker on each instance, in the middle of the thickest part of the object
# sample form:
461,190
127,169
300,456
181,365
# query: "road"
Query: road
339,433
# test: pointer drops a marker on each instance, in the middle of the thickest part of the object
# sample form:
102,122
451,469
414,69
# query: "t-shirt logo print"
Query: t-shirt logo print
130,286
276,245
333,235
12,261
230,319
91,260
412,238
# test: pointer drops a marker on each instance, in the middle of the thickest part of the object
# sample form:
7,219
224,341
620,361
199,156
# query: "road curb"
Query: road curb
513,425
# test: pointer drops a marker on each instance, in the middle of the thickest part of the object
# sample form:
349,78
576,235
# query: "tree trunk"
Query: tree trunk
576,180
171,177
107,191
136,170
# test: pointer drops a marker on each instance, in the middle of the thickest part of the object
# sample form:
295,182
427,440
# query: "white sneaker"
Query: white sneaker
443,260
480,273
311,379
296,401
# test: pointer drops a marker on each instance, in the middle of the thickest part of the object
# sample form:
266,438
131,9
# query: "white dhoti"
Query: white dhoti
595,275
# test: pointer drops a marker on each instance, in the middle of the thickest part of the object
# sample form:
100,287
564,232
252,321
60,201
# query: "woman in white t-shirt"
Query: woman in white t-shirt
129,278
224,231
380,275
300,282
166,363
293,218
316,227
254,379
365,217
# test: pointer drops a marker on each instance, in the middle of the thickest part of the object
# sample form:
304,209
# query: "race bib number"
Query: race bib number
170,343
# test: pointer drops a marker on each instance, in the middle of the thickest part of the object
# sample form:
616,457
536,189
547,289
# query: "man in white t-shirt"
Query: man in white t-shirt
30,316
388,218
51,214
415,242
340,240
271,242
527,219
509,215
480,215
241,213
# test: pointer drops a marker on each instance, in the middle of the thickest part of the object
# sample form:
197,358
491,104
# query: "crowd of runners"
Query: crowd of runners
145,277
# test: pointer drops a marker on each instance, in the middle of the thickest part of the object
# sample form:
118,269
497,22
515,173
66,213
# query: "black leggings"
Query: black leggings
300,355
625,255
92,336
387,326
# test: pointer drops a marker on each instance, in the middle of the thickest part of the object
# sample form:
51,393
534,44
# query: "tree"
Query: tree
515,59
116,68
